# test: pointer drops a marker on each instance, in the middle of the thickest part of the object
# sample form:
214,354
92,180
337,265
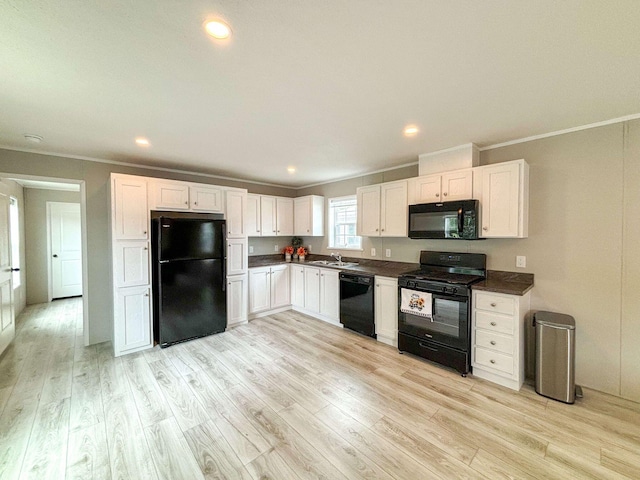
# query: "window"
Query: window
343,215
14,231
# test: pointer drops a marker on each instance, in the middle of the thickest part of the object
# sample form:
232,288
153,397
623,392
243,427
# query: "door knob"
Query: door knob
15,269
55,256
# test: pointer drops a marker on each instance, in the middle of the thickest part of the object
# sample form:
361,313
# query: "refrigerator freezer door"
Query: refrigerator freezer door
192,300
186,238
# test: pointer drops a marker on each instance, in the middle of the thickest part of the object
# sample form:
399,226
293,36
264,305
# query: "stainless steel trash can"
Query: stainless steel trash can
555,355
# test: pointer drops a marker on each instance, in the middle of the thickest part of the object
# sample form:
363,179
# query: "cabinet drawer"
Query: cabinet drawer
494,360
495,303
495,341
493,322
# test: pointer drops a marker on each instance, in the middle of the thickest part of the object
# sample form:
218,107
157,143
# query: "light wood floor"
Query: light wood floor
284,397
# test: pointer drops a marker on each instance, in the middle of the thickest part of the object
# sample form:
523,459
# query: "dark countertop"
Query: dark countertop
373,267
511,283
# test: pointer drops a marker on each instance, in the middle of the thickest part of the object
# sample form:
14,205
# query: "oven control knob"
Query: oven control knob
454,290
444,289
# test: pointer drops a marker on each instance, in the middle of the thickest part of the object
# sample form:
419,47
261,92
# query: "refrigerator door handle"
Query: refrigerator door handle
224,256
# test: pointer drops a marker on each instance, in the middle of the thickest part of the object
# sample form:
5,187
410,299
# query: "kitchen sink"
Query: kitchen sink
326,263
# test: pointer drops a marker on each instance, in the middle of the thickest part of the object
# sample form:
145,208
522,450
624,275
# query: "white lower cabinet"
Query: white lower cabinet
497,339
297,286
330,294
237,292
269,288
312,289
132,331
386,310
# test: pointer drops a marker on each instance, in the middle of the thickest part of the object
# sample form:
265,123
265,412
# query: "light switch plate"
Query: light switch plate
250,248
521,261
276,248
373,252
387,253
309,248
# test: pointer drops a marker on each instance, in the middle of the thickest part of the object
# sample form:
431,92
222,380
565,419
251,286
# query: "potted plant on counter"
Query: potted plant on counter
302,252
288,251
297,243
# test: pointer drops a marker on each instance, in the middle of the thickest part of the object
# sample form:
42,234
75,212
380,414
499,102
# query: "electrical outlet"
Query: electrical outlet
309,249
387,253
276,248
521,261
373,252
250,248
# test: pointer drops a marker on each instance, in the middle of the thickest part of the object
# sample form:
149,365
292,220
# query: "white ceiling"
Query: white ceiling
325,86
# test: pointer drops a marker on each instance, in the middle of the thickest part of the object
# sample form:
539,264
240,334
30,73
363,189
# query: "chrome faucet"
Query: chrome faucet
337,256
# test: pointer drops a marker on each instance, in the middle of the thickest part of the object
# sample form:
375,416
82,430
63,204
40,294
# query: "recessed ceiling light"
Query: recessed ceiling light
410,130
218,29
143,142
291,169
30,137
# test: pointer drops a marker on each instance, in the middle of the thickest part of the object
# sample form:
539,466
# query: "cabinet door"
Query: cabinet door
237,291
132,329
425,189
393,209
500,200
297,286
280,286
236,256
457,185
131,263
302,216
312,289
330,294
206,199
268,216
170,195
235,213
130,213
259,289
284,216
386,313
368,199
252,219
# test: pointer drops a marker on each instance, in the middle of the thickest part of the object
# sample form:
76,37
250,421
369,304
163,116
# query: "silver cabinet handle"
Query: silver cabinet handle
485,228
492,342
383,229
146,294
493,324
144,233
307,230
493,304
186,203
492,361
376,229
445,194
146,248
437,195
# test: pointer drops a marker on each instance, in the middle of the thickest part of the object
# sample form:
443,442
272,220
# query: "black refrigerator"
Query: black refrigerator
190,298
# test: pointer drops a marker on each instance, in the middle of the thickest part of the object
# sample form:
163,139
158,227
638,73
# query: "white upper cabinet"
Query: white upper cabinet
382,210
393,209
504,199
203,198
284,216
130,216
368,199
449,186
167,195
236,201
308,216
175,196
252,219
457,185
267,216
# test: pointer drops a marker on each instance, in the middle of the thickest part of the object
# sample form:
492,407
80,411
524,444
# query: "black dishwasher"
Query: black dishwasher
357,303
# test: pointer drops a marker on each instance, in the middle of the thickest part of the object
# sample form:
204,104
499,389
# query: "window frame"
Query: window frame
332,223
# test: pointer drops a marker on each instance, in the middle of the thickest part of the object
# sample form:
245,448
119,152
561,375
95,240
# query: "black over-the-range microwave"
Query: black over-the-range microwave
445,220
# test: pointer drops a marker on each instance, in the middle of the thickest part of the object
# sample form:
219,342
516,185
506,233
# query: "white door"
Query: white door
7,325
66,249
